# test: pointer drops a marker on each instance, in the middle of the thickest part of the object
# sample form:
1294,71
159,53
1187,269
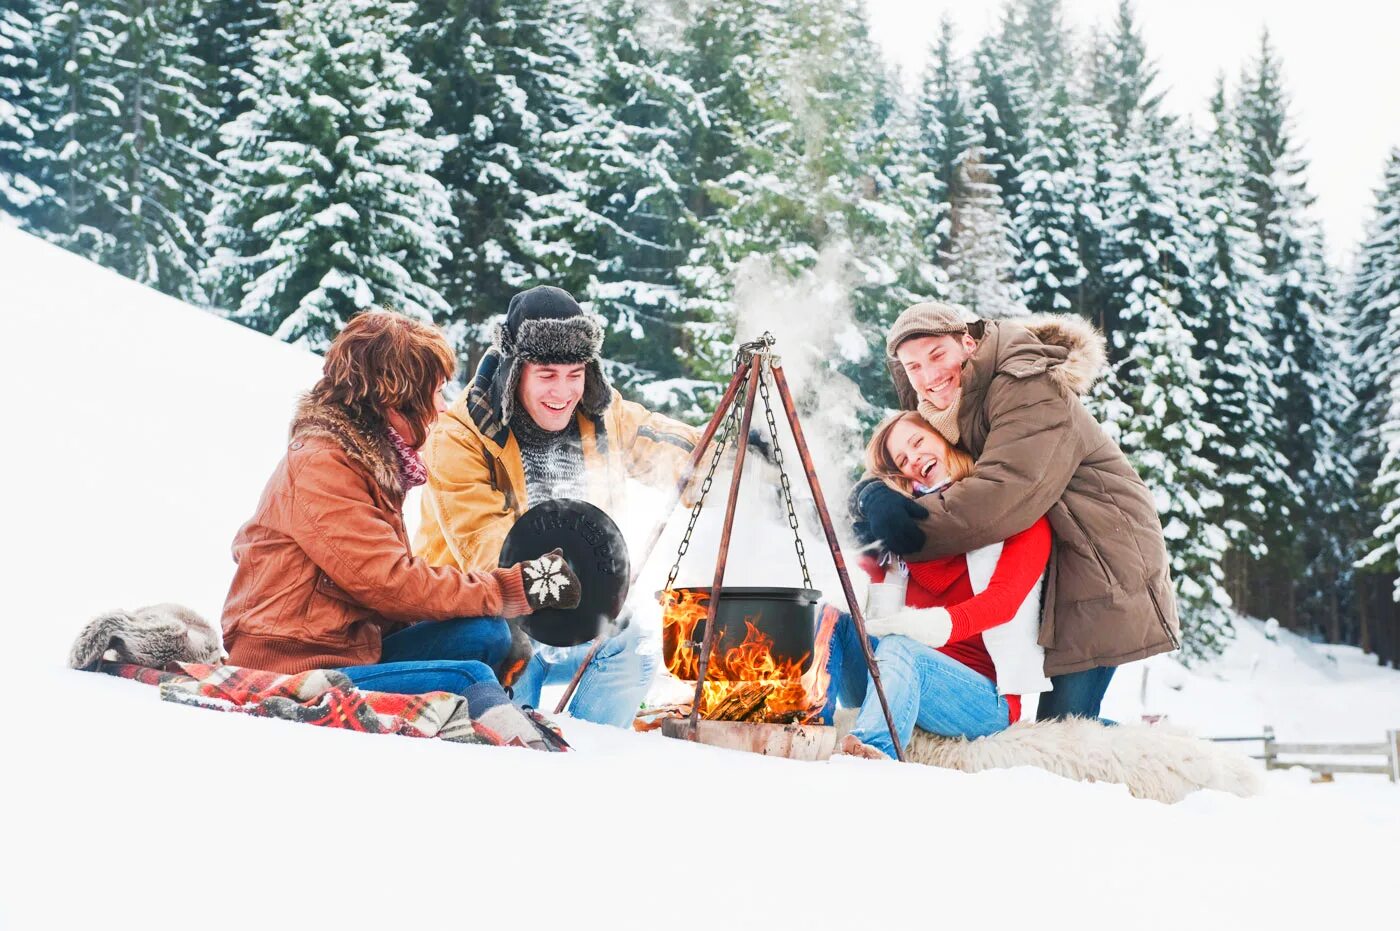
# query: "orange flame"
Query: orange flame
746,682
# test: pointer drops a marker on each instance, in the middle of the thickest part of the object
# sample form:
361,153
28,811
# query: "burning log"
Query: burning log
746,682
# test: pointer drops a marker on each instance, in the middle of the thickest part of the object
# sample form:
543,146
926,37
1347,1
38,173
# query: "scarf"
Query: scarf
944,421
412,471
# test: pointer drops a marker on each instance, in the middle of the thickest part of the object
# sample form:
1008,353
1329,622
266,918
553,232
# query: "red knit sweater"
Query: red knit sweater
945,583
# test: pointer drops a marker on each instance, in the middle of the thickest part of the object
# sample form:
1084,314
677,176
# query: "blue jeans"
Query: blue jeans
612,687
437,656
922,685
1076,693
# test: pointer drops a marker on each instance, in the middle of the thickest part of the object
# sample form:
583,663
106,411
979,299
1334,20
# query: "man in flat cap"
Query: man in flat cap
1009,392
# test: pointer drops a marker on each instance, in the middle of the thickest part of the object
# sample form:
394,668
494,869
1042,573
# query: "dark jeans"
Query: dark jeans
1076,693
437,656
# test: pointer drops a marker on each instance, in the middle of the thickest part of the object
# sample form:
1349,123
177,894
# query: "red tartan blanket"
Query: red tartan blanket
326,698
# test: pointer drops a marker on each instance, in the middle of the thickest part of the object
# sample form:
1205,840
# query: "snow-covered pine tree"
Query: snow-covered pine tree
1234,348
829,163
125,120
80,109
1047,212
725,56
981,257
628,155
1121,77
21,158
1375,306
1000,117
1170,426
1307,568
947,132
500,86
225,32
330,207
1116,96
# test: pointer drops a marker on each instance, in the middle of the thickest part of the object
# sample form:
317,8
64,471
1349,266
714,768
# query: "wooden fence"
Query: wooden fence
1306,755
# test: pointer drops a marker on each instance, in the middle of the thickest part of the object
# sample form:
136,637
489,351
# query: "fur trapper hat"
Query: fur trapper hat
154,636
546,325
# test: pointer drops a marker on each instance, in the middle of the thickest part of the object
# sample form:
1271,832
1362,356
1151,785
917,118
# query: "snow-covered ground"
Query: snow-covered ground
141,432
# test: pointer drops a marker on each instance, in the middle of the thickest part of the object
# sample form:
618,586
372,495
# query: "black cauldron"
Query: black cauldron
787,616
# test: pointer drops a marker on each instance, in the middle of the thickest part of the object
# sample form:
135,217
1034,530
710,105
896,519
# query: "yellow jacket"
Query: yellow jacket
476,480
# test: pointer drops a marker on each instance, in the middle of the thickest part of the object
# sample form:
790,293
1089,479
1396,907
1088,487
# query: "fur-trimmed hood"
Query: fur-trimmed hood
1068,348
373,453
1086,350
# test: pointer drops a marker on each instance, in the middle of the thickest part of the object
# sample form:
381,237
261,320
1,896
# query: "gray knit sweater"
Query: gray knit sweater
553,461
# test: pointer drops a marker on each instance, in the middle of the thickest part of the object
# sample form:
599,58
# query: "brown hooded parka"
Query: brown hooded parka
1108,596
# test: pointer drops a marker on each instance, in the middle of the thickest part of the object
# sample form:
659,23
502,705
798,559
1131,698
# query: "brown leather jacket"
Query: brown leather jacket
324,566
1108,597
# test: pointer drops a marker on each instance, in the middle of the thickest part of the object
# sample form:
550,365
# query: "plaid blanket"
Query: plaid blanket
327,698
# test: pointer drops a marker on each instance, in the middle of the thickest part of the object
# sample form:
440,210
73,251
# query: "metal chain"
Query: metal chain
782,473
730,427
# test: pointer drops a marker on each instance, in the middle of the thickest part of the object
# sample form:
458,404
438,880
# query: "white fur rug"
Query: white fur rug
1154,761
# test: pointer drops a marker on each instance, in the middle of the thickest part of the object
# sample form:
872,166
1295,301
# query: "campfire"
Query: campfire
748,681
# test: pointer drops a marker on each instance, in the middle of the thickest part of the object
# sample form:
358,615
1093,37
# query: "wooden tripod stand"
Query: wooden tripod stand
754,360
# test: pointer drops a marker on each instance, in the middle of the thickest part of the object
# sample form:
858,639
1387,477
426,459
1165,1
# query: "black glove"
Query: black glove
550,582
892,518
860,527
761,443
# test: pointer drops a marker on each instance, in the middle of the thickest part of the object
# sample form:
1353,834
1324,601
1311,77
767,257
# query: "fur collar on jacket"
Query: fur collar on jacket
374,454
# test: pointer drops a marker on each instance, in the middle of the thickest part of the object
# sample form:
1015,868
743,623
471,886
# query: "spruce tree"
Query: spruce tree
1375,305
1122,77
981,257
1234,345
125,119
1160,379
226,33
500,88
1046,219
21,158
628,154
330,207
1307,569
79,122
947,132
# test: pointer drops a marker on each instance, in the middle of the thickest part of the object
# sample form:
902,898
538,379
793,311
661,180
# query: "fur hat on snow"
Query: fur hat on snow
546,325
154,636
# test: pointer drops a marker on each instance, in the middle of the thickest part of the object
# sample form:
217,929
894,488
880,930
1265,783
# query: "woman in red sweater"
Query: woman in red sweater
957,657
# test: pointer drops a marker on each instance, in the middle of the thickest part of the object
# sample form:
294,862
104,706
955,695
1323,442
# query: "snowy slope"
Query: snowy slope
145,430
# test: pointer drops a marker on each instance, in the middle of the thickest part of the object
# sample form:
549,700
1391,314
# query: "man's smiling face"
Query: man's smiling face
549,393
933,365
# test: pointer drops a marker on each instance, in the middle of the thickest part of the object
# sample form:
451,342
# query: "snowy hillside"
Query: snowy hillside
144,432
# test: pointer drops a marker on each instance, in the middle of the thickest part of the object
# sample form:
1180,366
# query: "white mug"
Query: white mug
885,598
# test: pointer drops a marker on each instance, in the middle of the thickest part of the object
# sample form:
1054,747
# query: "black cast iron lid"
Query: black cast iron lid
594,548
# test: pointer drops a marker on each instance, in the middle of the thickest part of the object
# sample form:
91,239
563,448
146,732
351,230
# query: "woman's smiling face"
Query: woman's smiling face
920,453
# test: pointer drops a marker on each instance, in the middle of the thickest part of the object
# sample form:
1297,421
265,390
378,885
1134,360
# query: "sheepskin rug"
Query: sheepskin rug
1155,761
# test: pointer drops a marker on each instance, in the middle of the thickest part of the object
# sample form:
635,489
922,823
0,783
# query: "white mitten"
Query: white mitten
931,626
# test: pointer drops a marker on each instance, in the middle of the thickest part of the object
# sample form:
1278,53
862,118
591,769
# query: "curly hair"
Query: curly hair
382,361
880,464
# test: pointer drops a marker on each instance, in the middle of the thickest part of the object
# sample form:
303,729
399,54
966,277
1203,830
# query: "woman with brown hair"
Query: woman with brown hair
959,649
325,576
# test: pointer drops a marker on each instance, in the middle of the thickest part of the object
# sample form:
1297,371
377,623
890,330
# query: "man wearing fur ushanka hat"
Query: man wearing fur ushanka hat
1008,392
540,421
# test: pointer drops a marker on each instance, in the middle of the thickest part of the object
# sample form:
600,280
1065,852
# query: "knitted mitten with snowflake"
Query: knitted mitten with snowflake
550,582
